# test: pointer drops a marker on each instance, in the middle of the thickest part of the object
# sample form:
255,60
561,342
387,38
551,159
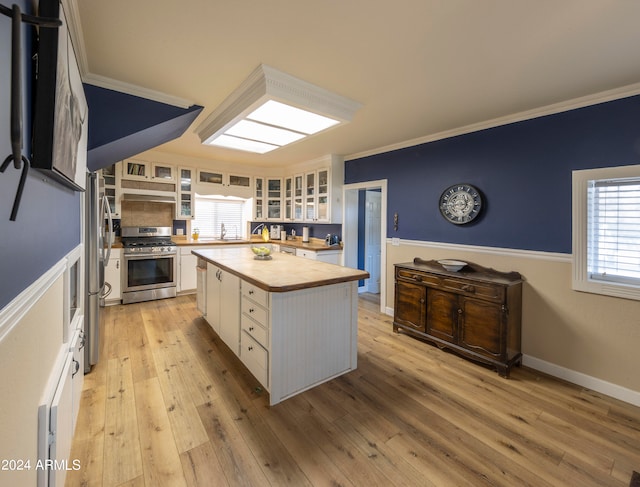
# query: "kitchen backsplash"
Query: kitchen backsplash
140,214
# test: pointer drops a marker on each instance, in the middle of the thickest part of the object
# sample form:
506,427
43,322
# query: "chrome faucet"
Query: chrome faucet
223,231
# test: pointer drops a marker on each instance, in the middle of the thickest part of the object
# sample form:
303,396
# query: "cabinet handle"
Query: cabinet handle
459,311
421,300
251,328
250,348
76,368
250,292
417,277
469,288
251,310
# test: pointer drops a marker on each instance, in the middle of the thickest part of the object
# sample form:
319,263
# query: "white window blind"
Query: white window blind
613,230
211,213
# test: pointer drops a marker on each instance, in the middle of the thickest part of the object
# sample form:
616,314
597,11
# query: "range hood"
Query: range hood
149,198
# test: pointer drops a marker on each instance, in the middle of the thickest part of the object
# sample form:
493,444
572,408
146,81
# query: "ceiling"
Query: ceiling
418,67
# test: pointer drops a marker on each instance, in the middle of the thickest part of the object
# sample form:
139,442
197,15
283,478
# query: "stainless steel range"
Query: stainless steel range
150,264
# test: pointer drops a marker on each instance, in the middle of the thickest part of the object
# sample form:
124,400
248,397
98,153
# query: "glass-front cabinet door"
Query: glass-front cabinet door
298,197
258,210
163,172
288,198
185,193
274,198
322,208
112,189
310,197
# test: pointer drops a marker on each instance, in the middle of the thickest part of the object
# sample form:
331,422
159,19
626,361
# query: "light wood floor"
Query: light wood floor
169,404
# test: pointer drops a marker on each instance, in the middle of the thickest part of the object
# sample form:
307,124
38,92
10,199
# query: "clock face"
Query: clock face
460,203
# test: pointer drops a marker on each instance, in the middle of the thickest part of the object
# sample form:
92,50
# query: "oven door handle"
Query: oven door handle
139,256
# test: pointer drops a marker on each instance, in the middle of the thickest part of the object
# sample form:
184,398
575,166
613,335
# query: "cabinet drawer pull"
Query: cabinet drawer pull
251,310
251,328
417,277
469,288
250,292
250,348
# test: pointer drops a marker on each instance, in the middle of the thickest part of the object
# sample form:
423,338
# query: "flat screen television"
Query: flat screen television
60,113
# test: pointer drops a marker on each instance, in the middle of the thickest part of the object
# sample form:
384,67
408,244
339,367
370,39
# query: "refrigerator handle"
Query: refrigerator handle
105,203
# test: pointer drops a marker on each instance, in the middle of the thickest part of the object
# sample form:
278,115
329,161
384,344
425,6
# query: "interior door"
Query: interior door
373,245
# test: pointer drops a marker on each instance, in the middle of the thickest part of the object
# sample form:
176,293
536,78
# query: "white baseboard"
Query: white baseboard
613,390
584,380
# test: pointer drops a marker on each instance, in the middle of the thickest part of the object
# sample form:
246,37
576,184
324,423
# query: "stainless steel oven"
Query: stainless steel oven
150,264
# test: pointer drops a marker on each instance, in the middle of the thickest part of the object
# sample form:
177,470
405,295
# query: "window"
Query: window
606,231
212,212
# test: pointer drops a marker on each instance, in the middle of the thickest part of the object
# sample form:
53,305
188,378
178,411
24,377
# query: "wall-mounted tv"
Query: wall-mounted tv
60,116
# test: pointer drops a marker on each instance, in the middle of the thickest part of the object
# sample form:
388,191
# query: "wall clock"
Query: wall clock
460,203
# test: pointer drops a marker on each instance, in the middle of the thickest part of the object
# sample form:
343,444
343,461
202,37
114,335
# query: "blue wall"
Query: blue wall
523,170
48,222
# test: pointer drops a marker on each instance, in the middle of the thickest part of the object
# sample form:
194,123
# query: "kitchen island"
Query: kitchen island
292,322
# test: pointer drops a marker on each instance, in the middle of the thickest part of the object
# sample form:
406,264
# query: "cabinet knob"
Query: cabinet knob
469,288
251,328
250,292
251,310
459,311
250,348
417,277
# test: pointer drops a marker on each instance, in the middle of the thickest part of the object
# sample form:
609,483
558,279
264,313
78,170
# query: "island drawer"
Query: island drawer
256,294
255,358
258,332
255,311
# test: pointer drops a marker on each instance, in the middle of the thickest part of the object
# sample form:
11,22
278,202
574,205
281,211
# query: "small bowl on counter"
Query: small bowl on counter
452,265
262,252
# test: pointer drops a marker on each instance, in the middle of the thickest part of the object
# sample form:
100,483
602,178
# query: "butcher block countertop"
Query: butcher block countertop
282,273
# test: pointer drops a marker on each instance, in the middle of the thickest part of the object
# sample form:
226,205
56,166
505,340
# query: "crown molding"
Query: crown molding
564,106
135,90
77,38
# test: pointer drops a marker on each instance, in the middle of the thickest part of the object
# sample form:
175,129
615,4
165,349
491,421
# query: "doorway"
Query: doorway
364,234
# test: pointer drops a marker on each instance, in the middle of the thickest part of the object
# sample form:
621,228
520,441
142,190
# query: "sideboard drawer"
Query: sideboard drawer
474,288
418,277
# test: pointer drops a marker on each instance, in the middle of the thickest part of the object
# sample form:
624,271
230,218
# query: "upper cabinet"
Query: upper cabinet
185,206
312,196
148,171
112,189
211,181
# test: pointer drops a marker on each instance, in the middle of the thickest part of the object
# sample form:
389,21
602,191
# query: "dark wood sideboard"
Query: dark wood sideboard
475,312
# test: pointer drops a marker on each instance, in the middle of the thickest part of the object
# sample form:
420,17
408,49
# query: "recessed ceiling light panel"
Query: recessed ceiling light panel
238,143
281,115
275,108
264,133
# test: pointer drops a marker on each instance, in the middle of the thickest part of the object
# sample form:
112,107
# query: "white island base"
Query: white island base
291,336
313,338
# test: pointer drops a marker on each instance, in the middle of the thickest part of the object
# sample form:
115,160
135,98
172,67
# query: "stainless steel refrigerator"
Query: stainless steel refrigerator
98,239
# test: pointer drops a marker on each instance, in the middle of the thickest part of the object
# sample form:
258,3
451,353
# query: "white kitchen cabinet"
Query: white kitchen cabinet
112,188
288,198
274,199
258,200
223,305
328,256
147,171
212,181
112,275
188,272
317,191
186,204
254,339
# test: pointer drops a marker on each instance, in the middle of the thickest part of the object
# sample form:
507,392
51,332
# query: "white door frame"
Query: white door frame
350,229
